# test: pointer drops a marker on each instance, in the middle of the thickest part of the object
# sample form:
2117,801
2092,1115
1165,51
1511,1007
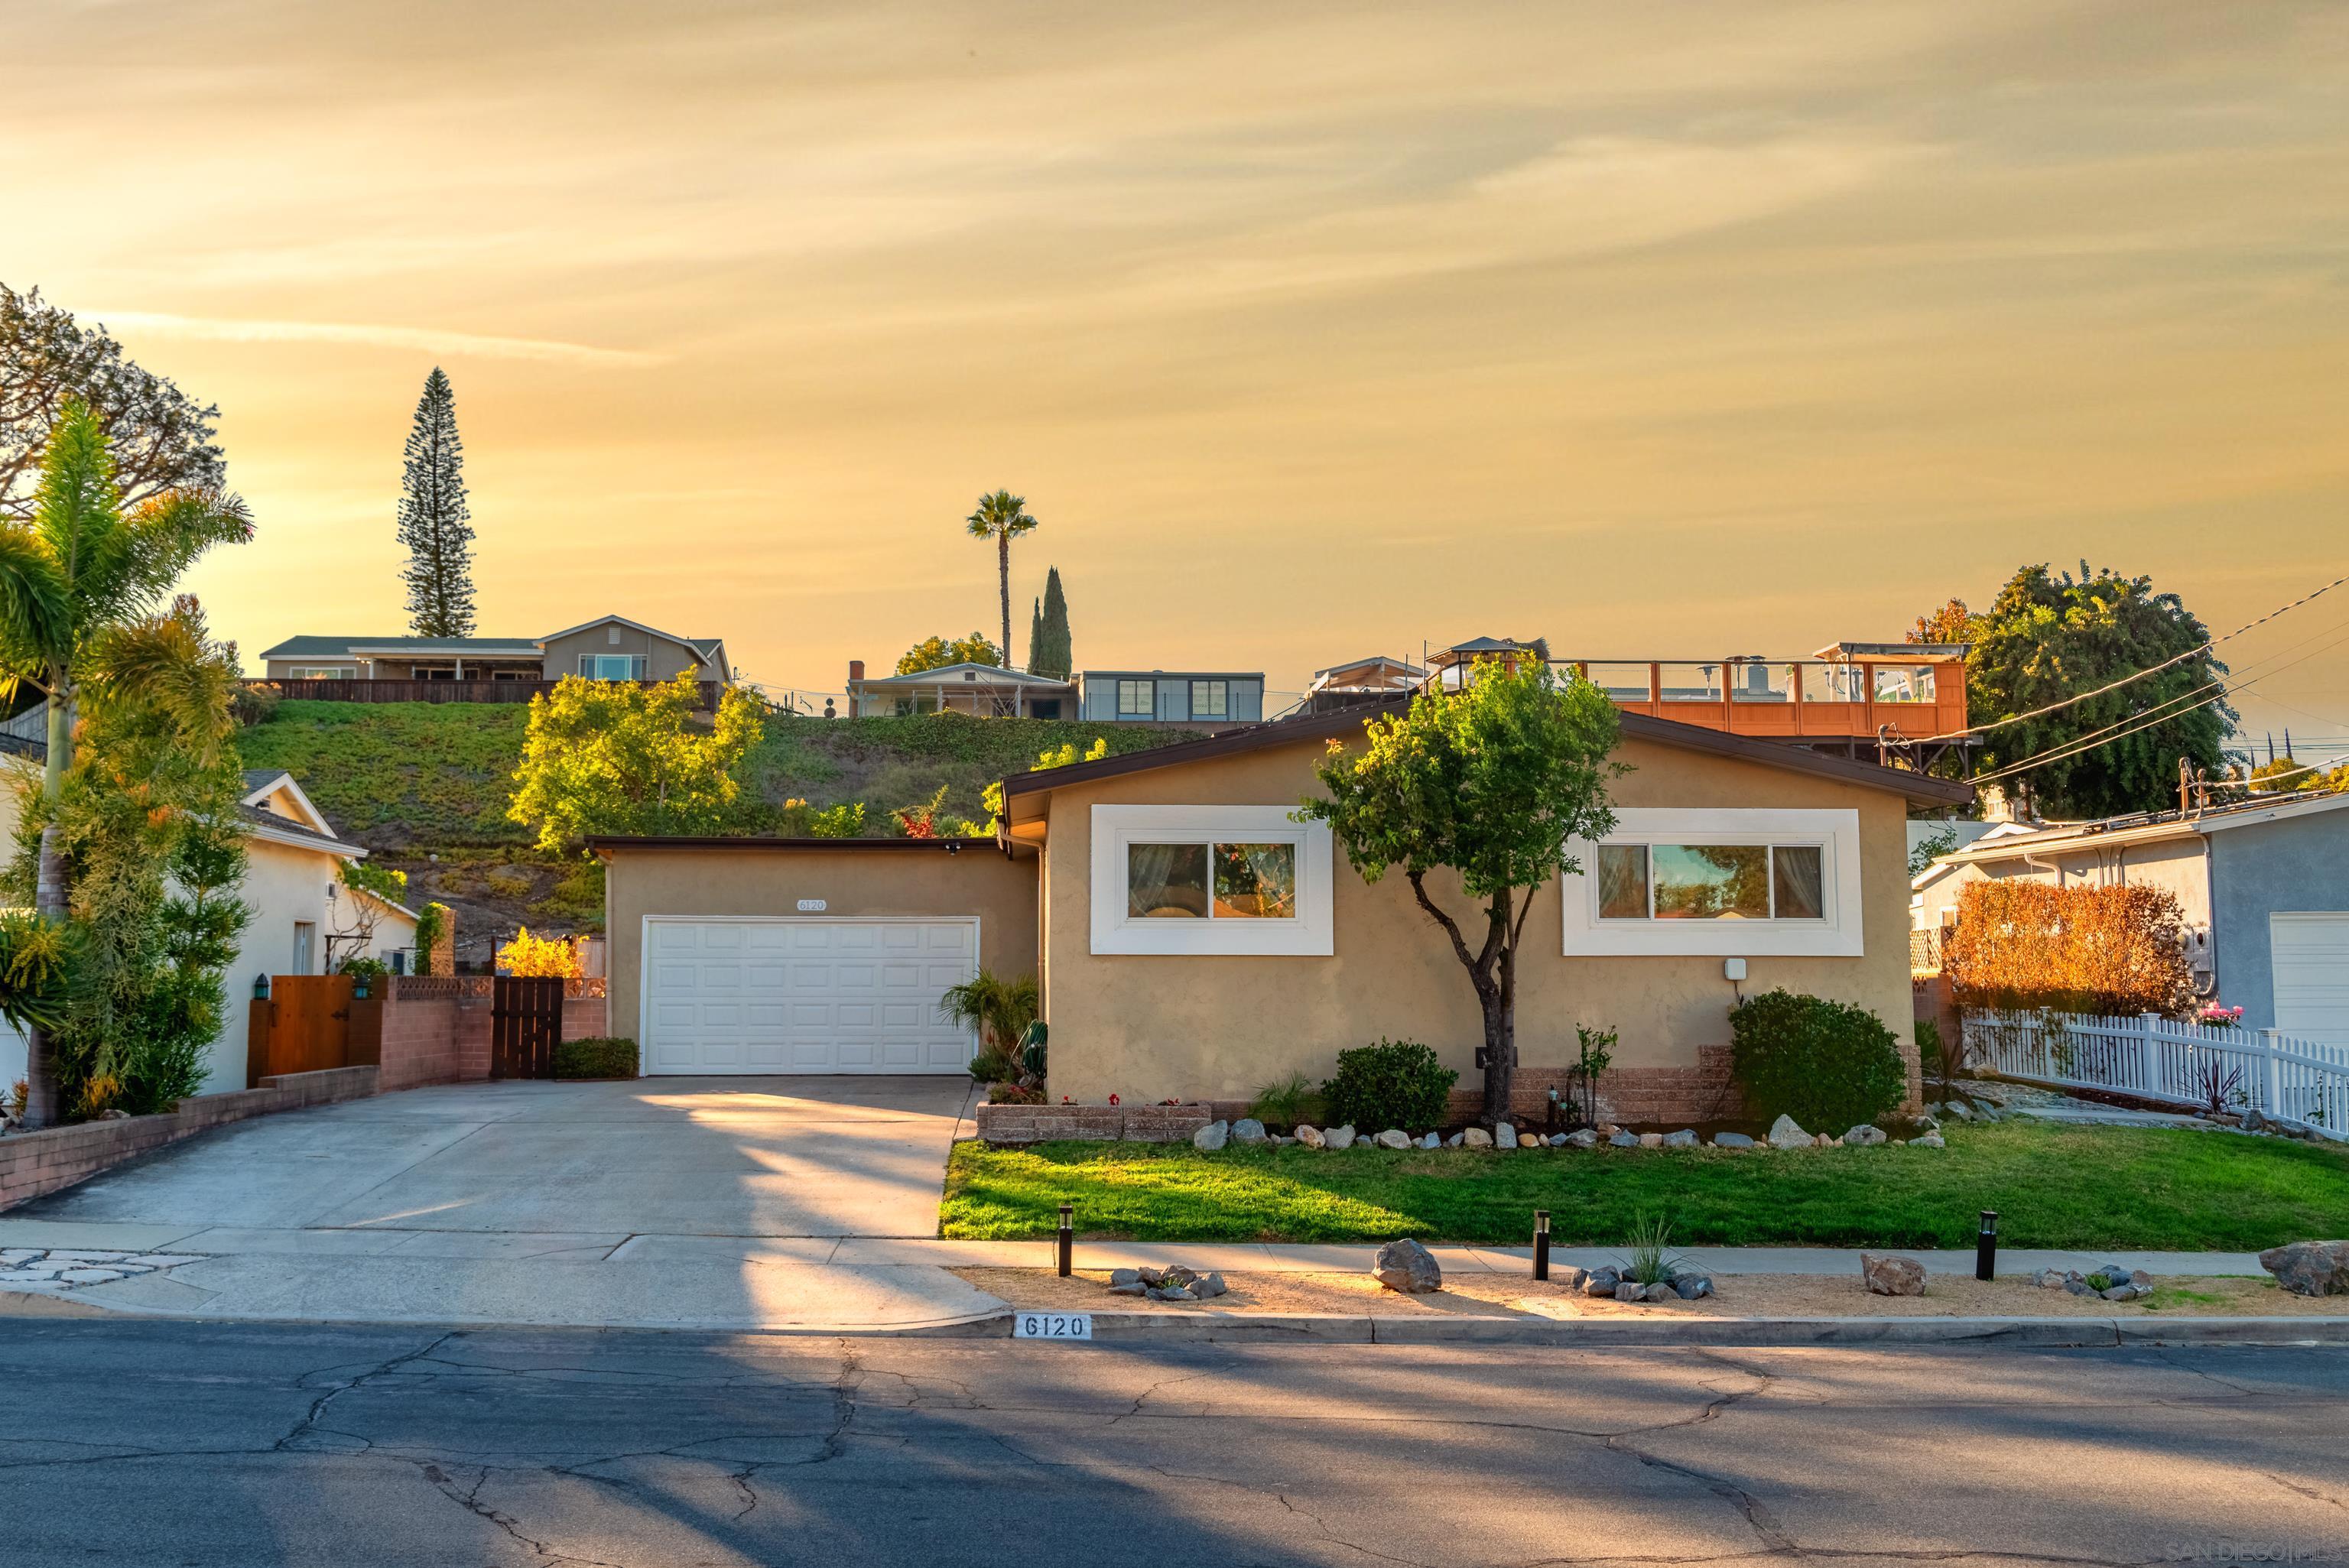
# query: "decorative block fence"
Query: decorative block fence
34,1163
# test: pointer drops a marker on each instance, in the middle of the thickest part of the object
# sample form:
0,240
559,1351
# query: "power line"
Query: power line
2125,680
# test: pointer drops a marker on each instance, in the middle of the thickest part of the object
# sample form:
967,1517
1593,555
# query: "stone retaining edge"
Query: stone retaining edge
1754,1333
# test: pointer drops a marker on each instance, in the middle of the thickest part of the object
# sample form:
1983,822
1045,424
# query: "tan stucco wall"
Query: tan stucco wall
1145,1027
663,659
723,881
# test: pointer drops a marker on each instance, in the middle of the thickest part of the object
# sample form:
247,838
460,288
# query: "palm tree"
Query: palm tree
1002,517
80,587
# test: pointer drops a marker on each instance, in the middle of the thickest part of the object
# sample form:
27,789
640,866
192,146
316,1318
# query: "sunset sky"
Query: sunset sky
1307,332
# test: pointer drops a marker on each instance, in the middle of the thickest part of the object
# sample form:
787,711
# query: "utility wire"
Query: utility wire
2156,669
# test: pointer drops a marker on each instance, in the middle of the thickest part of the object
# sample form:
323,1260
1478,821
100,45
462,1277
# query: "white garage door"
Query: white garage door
2310,955
805,996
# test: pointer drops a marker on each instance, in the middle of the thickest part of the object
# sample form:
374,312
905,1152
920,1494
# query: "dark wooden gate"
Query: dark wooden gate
525,1020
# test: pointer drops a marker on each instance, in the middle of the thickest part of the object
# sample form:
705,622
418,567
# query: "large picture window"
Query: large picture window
1211,700
1710,881
1726,881
1137,699
1209,880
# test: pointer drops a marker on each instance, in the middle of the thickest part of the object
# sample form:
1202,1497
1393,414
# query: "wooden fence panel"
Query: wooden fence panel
525,1022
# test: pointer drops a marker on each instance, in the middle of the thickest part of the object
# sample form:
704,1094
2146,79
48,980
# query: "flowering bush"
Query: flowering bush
528,955
2214,1013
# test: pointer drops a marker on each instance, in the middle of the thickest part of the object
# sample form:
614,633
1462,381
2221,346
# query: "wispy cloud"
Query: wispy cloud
432,340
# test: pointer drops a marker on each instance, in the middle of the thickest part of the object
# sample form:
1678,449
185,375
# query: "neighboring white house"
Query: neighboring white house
293,886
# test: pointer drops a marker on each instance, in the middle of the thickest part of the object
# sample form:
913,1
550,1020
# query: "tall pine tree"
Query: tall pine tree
434,521
1050,654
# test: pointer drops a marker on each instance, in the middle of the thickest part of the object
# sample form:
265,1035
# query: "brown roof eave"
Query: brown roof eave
1664,731
602,843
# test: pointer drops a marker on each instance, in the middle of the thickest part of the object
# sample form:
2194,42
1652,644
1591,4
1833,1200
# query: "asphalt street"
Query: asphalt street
185,1443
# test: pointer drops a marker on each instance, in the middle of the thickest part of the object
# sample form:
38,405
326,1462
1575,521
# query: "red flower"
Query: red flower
1112,1099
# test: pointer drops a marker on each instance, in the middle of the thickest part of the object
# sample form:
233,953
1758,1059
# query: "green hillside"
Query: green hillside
411,778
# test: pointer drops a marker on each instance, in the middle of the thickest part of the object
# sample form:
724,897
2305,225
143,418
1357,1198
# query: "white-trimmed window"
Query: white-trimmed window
1211,700
1728,882
1232,879
1137,699
613,666
319,672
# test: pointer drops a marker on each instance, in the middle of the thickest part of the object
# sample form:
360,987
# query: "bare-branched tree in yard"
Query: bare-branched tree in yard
1481,786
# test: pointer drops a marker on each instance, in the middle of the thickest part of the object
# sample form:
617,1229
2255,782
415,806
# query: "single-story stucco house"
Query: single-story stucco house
303,919
2263,884
609,647
1191,941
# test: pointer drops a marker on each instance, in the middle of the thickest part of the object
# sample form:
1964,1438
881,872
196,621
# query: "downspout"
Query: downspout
2210,923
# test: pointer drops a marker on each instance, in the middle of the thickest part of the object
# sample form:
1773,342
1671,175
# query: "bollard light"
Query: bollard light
1068,1239
1541,1244
1986,1246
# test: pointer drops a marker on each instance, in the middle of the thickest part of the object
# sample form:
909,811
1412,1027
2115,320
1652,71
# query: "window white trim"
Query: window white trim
1838,935
1114,932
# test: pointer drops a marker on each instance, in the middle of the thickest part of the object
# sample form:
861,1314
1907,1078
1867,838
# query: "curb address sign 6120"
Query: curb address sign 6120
1053,1325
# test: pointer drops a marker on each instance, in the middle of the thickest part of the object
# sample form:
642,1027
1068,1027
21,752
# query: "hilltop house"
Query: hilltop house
610,647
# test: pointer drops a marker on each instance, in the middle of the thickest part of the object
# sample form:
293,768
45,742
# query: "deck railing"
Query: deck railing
2157,1058
1789,699
437,691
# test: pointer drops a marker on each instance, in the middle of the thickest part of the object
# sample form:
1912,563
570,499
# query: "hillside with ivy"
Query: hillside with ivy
425,786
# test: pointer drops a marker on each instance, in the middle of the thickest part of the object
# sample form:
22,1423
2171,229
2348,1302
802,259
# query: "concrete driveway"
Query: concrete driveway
712,1202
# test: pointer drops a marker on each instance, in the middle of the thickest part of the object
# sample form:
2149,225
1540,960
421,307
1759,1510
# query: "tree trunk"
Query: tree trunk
1003,576
1496,994
41,1108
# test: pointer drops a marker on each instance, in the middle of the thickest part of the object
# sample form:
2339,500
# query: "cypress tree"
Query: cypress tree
434,521
1035,638
1054,657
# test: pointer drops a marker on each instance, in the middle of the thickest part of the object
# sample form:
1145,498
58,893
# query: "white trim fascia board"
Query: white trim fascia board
311,815
2308,808
699,657
1842,934
514,650
304,841
1310,935
645,958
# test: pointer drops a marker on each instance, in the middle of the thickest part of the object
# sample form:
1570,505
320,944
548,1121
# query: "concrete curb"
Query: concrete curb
1592,1333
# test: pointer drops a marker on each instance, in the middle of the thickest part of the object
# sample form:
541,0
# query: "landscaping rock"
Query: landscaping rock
1602,1280
1311,1137
1786,1134
1213,1285
1430,1141
1247,1129
1394,1138
1404,1265
1339,1137
1864,1137
2048,1279
1133,1288
2256,1121
2123,1292
1455,1141
1582,1138
1660,1291
2310,1268
1631,1290
1684,1138
1124,1276
1624,1140
1732,1140
2078,1286
1173,1293
1888,1275
1928,1140
1505,1136
1476,1138
1958,1110
1557,1141
1692,1287
1211,1137
1821,1140
1570,1279
1282,1140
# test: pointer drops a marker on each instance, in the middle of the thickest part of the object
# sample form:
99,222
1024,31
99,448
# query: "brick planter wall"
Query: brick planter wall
419,1040
34,1163
584,1018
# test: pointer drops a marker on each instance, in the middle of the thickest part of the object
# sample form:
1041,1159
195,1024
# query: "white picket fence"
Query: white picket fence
2162,1059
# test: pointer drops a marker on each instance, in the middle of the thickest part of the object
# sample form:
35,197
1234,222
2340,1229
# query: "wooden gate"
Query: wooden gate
525,1021
305,1027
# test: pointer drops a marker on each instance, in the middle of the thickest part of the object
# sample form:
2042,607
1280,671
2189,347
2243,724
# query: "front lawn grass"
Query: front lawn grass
2072,1186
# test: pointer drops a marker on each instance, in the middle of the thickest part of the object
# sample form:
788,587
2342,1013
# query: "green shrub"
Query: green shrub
1829,1065
1285,1102
596,1056
1395,1083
